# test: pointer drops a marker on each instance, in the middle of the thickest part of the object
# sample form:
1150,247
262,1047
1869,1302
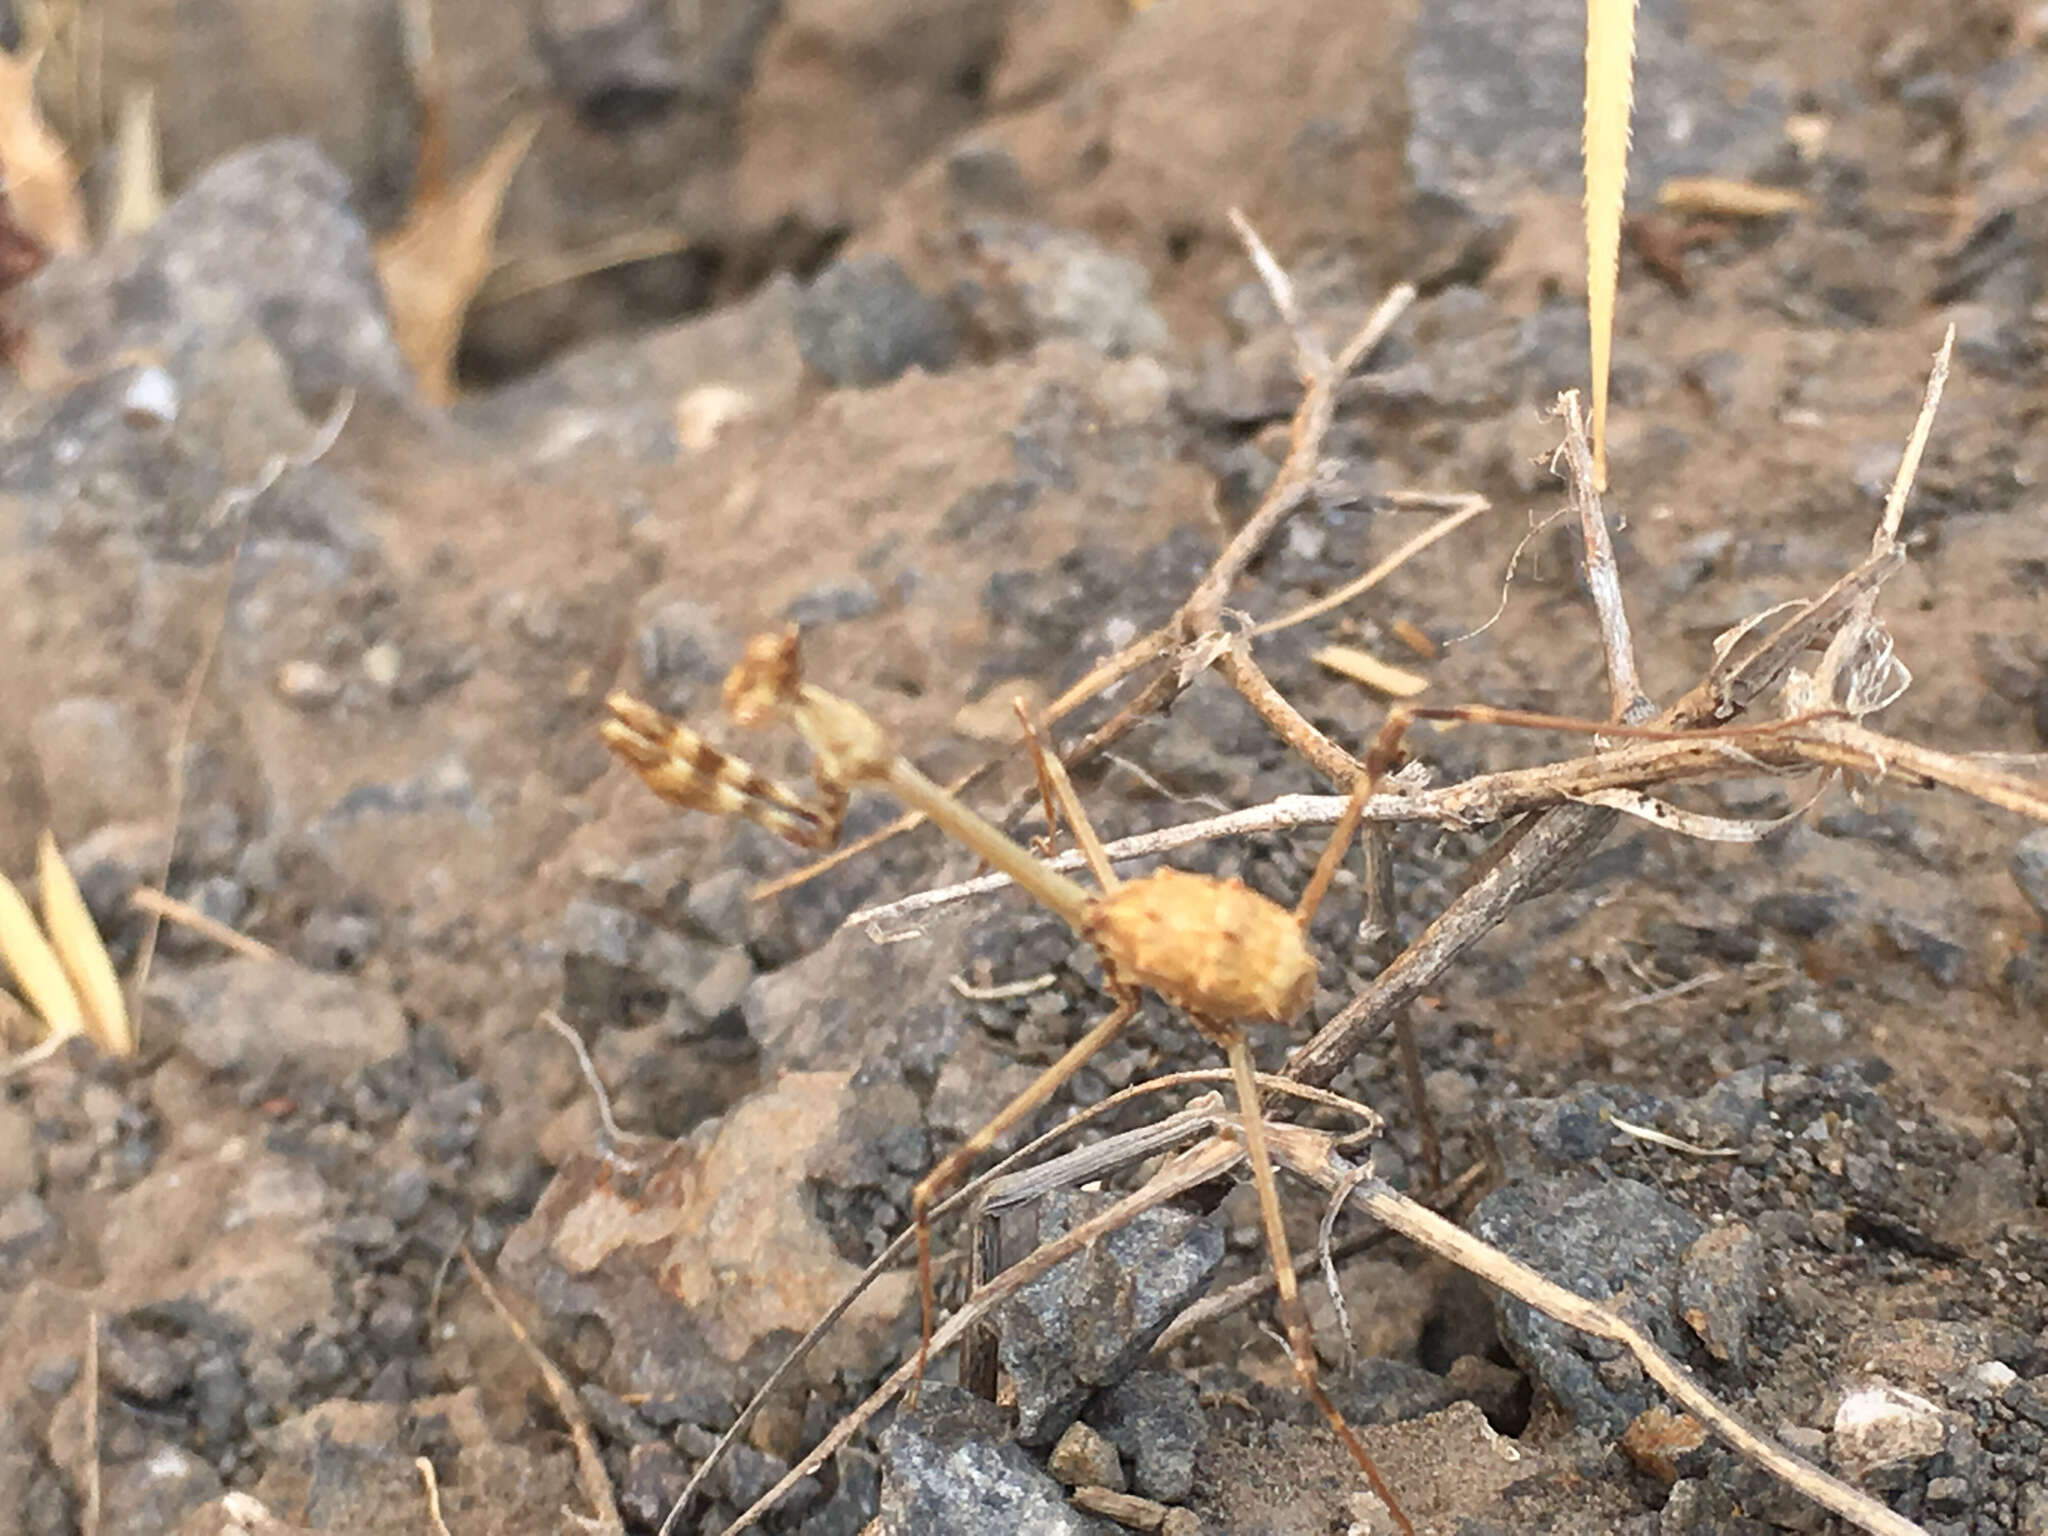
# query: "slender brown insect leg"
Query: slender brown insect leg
1293,1315
1055,787
1377,761
955,1164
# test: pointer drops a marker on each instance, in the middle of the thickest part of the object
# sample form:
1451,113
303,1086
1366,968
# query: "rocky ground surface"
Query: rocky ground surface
965,374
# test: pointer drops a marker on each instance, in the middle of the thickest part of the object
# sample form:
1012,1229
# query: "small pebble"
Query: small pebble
307,685
381,664
150,400
704,413
1084,1459
1881,1425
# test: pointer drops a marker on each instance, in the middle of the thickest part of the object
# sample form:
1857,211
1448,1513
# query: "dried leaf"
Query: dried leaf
1610,92
1364,667
138,173
34,163
1724,197
82,952
432,264
36,970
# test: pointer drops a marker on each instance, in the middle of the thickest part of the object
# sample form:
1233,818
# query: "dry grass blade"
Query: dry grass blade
432,265
34,165
138,170
1610,90
236,500
515,278
76,940
1367,670
37,971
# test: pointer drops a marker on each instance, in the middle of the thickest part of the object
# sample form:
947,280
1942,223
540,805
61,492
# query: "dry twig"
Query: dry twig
185,915
1310,1154
590,1472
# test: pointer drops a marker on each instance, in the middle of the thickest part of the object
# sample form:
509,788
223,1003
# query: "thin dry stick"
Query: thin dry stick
1862,635
235,500
1255,1288
172,910
590,1472
1188,1171
608,1128
1459,510
1603,577
1310,1154
1465,806
431,1487
89,1522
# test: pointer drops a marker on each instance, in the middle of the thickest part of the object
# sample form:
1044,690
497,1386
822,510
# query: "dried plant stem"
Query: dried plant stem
172,910
1603,577
590,1472
1310,1154
233,502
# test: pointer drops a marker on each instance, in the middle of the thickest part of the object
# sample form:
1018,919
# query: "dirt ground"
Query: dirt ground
381,678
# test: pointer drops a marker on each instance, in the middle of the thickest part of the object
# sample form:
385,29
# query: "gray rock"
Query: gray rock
983,176
655,1478
143,1363
853,1504
623,397
20,1158
1154,1418
1091,1320
264,240
255,1017
30,1235
1880,1426
2030,869
155,1491
682,646
863,322
1549,1134
1941,957
1720,1283
618,967
1615,1240
1378,1391
1803,914
331,940
1495,94
948,1468
1067,285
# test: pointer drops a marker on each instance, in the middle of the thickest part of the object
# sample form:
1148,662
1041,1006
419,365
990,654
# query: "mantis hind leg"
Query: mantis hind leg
1293,1315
